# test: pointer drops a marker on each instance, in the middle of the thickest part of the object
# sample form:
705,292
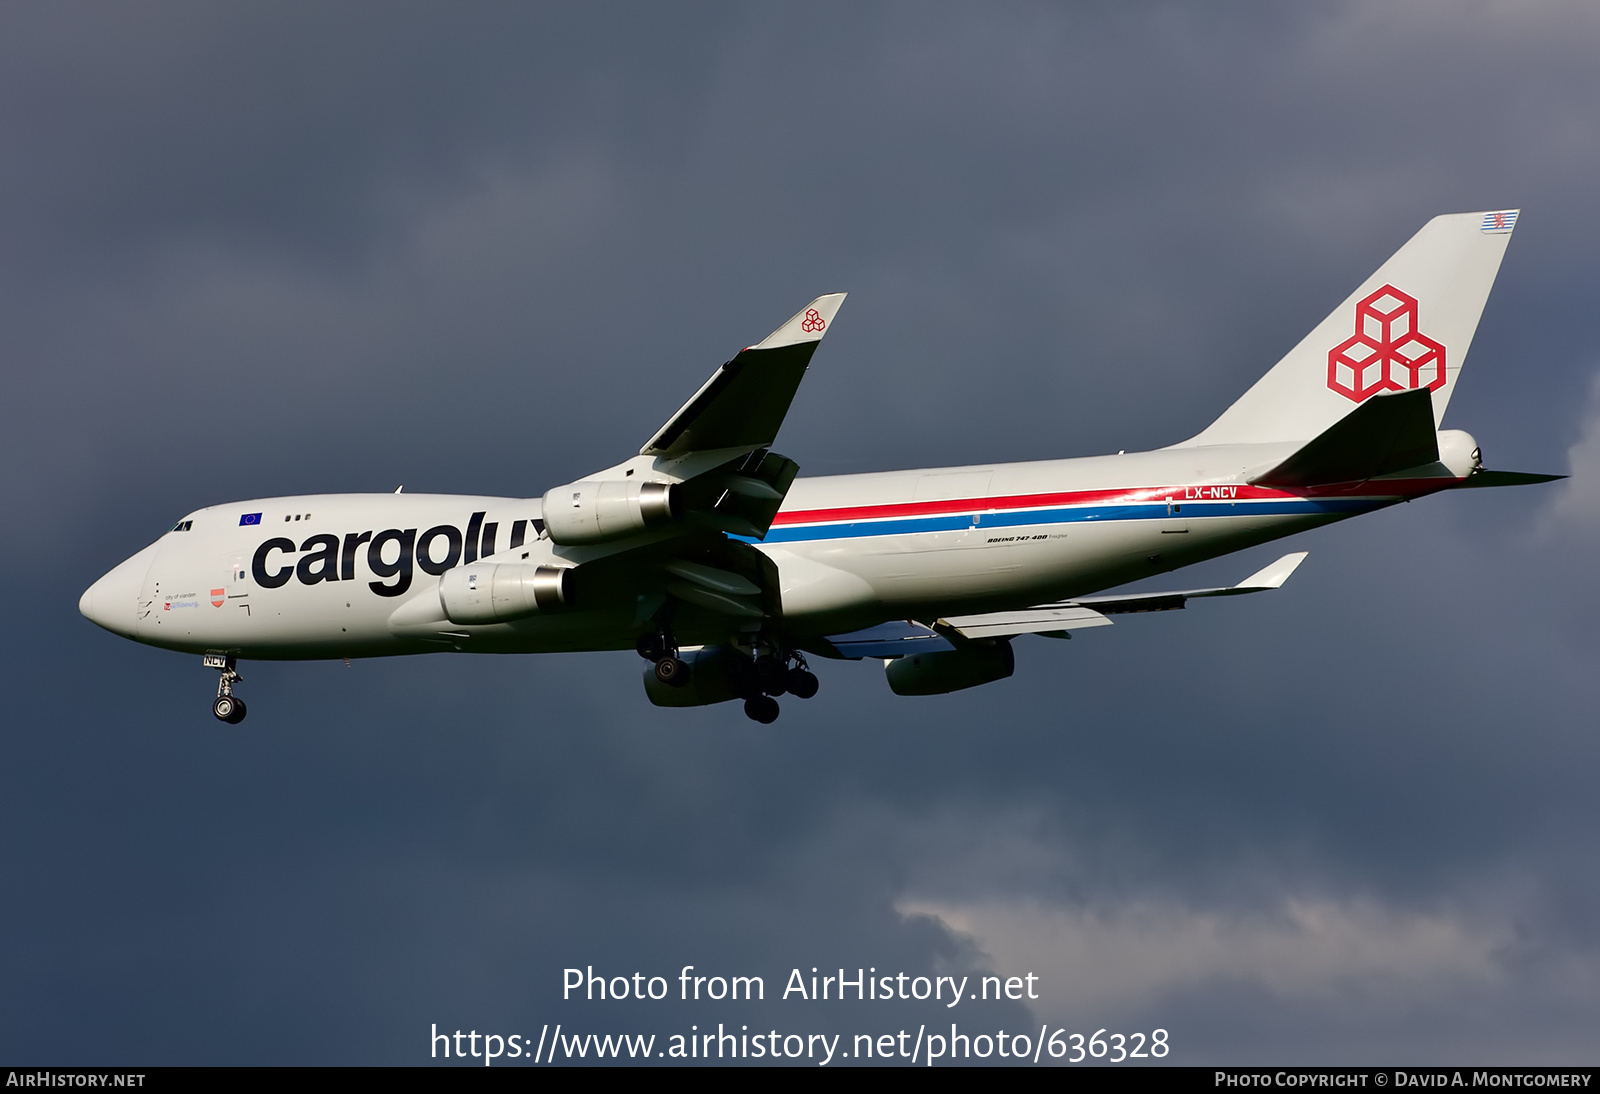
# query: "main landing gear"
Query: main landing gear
756,670
771,675
228,706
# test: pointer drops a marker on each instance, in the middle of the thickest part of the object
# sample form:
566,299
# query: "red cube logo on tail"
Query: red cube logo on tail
1387,352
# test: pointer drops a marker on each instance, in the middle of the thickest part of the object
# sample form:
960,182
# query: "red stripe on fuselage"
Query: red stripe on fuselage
1386,488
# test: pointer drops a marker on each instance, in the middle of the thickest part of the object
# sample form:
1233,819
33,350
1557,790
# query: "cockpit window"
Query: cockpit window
183,526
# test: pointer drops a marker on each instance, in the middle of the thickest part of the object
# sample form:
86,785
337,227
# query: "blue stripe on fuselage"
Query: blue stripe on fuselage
957,522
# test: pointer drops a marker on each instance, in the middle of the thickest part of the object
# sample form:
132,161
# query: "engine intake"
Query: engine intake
593,512
713,675
498,591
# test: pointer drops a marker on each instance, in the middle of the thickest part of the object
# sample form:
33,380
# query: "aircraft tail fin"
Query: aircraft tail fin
1408,326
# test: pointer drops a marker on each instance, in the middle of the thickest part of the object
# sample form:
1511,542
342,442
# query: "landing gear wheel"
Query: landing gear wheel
762,708
672,672
802,684
228,706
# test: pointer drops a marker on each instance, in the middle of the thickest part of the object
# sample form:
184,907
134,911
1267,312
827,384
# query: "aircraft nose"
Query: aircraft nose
112,602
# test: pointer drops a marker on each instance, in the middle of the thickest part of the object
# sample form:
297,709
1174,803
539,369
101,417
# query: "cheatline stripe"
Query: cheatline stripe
1181,495
1280,505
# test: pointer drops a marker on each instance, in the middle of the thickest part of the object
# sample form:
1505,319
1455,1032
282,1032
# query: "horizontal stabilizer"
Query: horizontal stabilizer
894,639
745,401
1387,433
1507,478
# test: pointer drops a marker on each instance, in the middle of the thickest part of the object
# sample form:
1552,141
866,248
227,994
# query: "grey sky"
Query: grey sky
250,251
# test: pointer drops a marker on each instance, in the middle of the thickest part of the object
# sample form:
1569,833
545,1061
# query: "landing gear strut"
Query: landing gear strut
228,706
661,649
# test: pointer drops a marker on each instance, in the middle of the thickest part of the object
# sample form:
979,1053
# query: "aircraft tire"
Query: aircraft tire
228,709
672,672
238,712
762,708
802,684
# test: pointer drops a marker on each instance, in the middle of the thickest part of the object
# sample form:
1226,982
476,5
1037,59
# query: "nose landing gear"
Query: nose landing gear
228,706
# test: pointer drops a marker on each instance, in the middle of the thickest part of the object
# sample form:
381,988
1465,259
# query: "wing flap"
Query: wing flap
709,577
743,496
1044,620
896,638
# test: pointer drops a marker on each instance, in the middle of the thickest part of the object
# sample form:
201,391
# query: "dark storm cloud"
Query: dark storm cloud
252,252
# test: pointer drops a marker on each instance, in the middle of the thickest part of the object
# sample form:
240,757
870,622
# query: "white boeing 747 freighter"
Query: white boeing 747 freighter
726,571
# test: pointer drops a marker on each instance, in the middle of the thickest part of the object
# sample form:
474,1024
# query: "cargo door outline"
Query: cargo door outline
1174,523
236,589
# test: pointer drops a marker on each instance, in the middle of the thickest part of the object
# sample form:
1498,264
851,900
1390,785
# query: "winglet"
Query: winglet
744,402
1273,576
809,324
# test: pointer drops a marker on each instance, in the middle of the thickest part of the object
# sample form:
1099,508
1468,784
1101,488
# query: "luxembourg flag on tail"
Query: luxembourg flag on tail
1501,221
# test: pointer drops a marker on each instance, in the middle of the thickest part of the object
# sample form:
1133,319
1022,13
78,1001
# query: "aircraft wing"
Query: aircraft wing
1268,577
709,469
658,525
745,401
1091,611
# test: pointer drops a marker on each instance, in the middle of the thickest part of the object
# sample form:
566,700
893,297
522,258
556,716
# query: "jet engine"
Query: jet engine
951,670
711,679
496,592
593,512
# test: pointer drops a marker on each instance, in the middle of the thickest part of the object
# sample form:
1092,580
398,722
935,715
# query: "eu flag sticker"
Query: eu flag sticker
249,518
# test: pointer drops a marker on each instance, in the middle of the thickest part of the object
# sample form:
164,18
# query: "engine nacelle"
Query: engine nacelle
497,591
951,670
711,679
593,512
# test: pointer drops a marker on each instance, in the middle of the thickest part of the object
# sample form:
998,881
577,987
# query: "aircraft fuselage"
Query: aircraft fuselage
357,575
